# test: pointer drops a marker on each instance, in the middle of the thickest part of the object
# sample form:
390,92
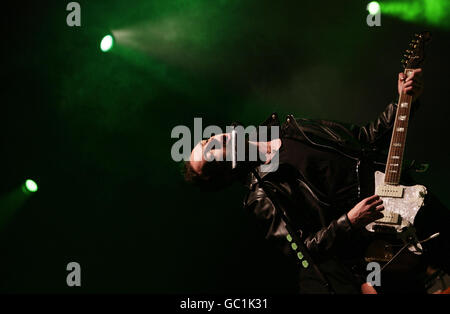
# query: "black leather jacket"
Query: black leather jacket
326,231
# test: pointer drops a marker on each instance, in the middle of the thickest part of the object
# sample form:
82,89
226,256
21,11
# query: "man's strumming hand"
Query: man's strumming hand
366,211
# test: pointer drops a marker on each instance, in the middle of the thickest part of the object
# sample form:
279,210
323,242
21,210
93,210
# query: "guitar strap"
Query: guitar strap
296,239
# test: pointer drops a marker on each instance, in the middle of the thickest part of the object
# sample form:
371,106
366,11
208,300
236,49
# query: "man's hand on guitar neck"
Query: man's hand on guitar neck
412,84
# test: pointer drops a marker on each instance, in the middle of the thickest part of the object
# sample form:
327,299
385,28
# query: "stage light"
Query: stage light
373,7
31,186
107,43
432,12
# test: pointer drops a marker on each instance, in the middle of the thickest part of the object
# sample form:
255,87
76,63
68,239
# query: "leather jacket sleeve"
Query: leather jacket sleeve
329,238
321,242
378,133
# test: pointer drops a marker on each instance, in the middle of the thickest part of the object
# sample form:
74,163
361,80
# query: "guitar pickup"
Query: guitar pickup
384,229
389,190
390,218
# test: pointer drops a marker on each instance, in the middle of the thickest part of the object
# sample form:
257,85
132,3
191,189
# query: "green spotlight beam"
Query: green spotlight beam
12,201
432,12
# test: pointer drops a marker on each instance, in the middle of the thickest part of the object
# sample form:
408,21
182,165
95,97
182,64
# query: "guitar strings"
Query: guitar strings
398,137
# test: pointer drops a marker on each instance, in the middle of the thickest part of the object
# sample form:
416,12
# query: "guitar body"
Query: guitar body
390,233
400,209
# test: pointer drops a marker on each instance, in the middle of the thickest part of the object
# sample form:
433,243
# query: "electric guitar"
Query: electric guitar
401,202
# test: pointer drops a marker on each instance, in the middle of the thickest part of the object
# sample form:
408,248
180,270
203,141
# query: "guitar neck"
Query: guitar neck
398,139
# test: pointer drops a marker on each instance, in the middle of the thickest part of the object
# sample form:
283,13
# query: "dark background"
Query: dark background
93,129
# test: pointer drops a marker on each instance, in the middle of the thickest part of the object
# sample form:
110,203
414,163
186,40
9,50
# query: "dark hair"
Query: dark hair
190,175
215,175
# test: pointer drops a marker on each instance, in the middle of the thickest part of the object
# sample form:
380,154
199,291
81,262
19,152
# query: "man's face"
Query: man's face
210,150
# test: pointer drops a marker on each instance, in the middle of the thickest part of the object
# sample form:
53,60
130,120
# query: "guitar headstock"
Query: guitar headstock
415,55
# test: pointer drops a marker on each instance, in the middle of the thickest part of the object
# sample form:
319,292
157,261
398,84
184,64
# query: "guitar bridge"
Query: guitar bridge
389,190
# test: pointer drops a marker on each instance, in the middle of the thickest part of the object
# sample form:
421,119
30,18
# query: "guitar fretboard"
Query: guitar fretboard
398,140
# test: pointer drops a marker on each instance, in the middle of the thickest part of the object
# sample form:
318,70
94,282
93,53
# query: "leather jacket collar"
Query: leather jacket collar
321,133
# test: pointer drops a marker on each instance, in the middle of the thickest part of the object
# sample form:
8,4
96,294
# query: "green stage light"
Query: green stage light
432,12
107,43
373,7
31,186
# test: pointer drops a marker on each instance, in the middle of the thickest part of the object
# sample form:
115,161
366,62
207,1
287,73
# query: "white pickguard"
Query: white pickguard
406,206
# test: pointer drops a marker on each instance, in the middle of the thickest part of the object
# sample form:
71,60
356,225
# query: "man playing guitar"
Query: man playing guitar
319,204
